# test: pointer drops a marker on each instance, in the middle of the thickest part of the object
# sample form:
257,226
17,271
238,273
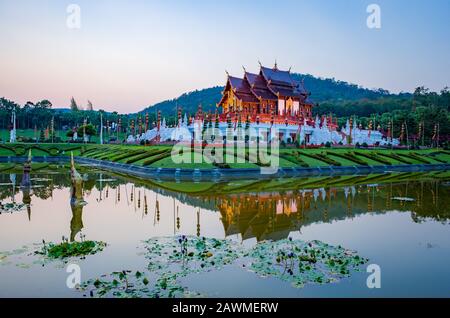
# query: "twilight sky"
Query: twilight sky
131,54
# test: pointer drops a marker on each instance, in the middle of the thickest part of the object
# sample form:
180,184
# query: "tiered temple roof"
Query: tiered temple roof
270,84
242,89
259,87
282,83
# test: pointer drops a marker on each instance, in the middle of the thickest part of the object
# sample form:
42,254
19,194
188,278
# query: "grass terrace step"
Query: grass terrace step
321,157
349,157
395,157
373,156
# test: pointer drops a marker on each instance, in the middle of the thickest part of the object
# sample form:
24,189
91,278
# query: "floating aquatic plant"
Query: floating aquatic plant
70,249
300,262
171,259
121,284
192,254
3,258
11,207
129,284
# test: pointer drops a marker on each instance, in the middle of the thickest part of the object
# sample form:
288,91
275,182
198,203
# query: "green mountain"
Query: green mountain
322,90
189,102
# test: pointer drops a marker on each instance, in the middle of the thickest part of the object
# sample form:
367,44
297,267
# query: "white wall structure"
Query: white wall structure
317,134
12,136
295,108
281,107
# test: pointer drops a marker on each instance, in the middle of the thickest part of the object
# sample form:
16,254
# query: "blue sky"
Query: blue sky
130,54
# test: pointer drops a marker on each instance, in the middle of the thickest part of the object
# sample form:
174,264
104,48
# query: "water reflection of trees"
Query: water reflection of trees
49,182
264,215
273,215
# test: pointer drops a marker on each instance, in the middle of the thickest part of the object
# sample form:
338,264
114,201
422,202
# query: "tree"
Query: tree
73,105
90,131
44,104
42,136
89,106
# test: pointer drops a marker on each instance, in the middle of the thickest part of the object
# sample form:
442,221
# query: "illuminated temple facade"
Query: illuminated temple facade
268,101
270,95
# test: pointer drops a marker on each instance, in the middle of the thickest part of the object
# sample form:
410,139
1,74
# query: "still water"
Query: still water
403,227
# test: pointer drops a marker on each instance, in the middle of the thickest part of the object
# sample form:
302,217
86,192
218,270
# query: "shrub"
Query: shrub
146,155
8,148
295,158
156,158
349,157
396,157
72,249
221,165
373,157
53,151
415,156
322,158
126,155
19,150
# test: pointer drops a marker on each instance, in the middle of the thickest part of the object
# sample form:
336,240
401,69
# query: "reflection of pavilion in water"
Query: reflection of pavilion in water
275,215
263,215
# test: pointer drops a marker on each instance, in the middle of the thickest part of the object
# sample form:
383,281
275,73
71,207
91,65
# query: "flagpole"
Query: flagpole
101,128
423,133
53,128
438,132
407,135
392,133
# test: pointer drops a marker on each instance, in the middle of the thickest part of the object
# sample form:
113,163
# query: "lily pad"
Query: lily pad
300,262
12,207
170,259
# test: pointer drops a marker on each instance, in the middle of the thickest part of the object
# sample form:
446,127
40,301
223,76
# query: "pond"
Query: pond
400,225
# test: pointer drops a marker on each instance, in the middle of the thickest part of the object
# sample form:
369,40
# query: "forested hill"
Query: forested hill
189,102
322,90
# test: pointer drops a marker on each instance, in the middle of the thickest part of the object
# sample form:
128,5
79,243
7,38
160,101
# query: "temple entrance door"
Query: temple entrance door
289,105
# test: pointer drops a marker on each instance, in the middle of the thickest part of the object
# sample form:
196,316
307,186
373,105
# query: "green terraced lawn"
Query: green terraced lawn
159,156
30,133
